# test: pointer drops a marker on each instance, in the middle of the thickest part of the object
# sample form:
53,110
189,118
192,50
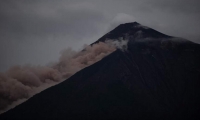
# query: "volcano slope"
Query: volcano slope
157,77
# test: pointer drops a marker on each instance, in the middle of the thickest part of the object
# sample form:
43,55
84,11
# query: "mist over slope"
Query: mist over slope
154,76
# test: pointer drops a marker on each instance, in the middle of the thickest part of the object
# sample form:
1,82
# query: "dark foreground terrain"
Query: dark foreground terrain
157,77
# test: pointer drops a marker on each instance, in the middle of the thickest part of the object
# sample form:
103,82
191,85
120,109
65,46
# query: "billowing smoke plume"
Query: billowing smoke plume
21,82
77,61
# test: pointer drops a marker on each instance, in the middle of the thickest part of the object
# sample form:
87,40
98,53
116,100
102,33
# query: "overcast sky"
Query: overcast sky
35,31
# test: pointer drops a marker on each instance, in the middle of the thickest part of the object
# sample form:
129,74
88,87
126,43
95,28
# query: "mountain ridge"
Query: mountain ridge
130,29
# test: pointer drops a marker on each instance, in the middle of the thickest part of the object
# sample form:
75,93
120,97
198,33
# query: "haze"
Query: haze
35,31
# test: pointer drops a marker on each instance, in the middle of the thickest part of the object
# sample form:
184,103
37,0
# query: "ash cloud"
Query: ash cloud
21,82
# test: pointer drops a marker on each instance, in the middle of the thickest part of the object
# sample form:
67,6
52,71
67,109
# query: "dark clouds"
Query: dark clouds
178,6
34,31
24,19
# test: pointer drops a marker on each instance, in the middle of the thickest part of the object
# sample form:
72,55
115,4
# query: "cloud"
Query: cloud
122,18
27,27
44,20
177,6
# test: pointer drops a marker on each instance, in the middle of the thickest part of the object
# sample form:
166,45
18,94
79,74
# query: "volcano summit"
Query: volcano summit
156,77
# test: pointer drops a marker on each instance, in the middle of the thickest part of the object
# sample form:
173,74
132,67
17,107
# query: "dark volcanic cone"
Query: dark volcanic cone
157,77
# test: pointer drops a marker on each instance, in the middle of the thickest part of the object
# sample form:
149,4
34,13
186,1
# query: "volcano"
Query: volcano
156,77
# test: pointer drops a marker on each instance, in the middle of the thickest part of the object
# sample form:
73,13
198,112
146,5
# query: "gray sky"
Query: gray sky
35,31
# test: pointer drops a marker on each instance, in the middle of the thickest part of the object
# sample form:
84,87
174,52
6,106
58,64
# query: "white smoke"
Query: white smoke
21,82
119,44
